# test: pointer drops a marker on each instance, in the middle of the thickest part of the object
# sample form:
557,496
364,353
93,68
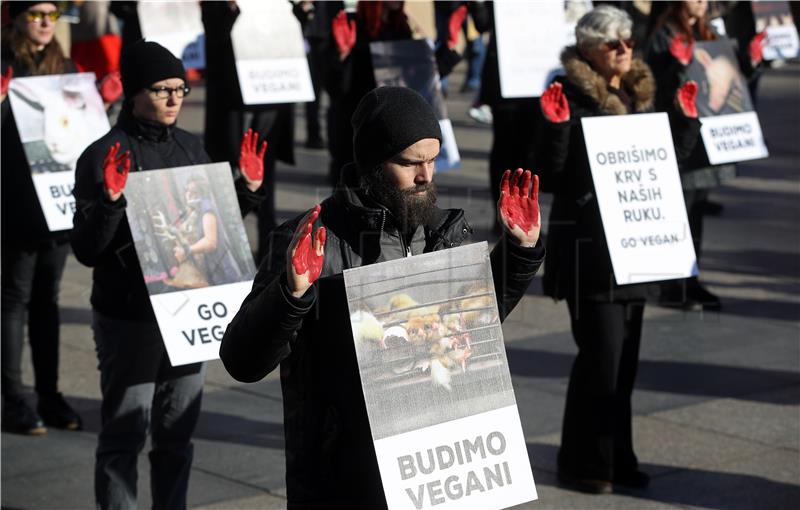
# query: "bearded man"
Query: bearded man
296,316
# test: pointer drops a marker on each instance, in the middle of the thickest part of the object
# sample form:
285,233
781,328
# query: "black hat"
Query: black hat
387,120
17,8
144,63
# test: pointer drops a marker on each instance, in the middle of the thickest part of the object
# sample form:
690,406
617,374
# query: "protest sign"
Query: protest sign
530,37
639,193
436,383
776,18
731,131
270,54
176,25
412,64
57,117
193,250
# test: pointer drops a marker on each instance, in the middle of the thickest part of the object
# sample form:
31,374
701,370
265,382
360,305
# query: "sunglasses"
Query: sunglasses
38,16
165,92
616,45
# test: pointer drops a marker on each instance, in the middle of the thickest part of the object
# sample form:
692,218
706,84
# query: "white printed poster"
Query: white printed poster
639,193
270,54
57,117
412,64
776,18
436,382
193,250
177,26
530,38
730,128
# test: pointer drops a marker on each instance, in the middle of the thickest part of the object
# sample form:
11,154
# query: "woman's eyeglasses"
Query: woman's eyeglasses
38,16
165,92
616,45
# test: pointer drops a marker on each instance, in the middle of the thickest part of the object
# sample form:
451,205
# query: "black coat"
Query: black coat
578,263
101,237
330,458
23,222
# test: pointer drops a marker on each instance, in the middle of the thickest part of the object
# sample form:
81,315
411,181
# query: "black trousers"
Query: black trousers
30,283
596,438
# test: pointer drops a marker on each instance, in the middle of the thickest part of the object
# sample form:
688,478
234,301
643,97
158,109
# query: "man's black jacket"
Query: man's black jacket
330,458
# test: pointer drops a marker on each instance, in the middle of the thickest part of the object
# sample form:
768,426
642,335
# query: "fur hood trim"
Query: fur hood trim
638,82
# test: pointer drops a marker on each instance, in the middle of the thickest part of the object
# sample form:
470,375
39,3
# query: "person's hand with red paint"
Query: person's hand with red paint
519,206
305,254
5,81
110,87
454,26
344,33
681,47
554,103
251,162
756,48
686,97
115,171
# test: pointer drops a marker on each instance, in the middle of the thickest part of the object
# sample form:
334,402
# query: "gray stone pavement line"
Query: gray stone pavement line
239,389
237,481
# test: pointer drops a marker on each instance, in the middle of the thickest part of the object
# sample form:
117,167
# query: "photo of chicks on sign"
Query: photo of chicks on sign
428,339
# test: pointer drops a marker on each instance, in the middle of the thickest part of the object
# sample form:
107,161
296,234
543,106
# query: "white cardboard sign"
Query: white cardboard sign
735,137
178,26
57,117
270,54
436,382
194,254
639,193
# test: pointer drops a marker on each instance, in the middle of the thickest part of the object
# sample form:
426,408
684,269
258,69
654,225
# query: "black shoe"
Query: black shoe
20,418
696,293
586,485
56,412
632,479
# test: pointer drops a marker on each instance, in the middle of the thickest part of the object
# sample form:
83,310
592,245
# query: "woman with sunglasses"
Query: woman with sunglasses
602,78
33,258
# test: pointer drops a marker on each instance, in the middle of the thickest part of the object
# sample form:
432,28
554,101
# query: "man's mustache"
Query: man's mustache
427,187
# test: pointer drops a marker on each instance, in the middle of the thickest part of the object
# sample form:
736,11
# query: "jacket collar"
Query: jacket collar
143,129
638,83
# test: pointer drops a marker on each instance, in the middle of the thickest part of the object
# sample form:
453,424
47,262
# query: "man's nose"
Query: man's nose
424,173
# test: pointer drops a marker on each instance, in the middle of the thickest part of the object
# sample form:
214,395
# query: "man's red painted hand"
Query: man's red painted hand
687,99
681,48
110,87
251,163
454,26
756,47
344,33
519,206
5,81
304,257
115,171
554,103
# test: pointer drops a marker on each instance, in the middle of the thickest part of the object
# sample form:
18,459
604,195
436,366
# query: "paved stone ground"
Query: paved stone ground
717,401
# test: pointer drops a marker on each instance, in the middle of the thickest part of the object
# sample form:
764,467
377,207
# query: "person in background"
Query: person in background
33,258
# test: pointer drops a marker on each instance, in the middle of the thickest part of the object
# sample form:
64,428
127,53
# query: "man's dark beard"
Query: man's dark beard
409,211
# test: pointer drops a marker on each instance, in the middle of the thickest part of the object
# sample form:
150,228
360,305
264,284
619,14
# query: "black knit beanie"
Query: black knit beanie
17,8
387,120
144,63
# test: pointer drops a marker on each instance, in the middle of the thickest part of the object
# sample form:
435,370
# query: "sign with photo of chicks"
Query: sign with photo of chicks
194,254
436,382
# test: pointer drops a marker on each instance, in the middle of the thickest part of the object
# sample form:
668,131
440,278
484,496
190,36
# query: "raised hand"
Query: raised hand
687,99
304,261
756,48
344,33
681,47
115,171
519,207
454,25
251,162
110,87
5,80
554,103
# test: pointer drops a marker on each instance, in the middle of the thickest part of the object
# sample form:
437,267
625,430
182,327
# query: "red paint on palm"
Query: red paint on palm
554,103
308,257
116,169
251,162
518,206
687,98
682,48
111,87
454,26
756,47
344,33
5,81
